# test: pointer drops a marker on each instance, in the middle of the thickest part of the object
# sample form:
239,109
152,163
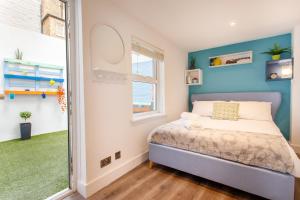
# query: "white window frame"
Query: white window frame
158,79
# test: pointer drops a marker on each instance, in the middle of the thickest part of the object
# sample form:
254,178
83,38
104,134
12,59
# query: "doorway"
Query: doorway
35,134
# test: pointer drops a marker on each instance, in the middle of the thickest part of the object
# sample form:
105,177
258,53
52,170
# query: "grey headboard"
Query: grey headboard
274,97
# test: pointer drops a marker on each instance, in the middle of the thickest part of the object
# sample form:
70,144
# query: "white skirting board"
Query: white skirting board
100,182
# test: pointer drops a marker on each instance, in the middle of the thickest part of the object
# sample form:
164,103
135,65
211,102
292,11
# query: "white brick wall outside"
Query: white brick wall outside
24,14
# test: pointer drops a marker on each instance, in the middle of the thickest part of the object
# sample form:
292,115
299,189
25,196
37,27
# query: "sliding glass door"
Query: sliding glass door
35,100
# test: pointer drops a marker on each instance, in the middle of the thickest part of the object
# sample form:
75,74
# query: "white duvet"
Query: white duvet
193,121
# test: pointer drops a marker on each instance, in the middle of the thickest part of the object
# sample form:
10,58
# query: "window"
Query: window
147,70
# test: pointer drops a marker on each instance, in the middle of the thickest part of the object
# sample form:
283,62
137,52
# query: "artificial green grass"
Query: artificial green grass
34,169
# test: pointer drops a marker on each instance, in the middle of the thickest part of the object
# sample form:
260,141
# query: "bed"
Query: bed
273,183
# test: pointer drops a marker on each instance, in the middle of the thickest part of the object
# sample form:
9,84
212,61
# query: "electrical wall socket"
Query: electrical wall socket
118,155
106,161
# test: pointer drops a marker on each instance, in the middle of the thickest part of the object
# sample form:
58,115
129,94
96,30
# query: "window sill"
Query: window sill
147,116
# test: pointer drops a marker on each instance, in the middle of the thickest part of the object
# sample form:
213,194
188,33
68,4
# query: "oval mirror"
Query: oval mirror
106,43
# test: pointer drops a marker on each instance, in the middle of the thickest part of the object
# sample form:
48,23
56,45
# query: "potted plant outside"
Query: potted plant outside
276,51
25,128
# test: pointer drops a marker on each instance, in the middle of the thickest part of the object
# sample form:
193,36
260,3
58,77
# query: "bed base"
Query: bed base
262,182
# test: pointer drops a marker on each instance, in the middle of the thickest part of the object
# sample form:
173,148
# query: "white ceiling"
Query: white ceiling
201,24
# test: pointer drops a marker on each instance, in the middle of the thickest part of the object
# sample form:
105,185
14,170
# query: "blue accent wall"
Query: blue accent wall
246,77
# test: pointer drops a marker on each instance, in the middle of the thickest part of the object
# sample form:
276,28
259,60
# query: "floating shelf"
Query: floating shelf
193,77
231,59
34,78
29,92
279,69
34,64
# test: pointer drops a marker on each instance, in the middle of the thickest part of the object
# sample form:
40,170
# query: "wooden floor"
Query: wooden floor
163,183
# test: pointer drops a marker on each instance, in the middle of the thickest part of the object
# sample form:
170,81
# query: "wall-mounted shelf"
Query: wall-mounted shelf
35,78
231,59
193,77
33,64
279,69
31,78
29,92
109,77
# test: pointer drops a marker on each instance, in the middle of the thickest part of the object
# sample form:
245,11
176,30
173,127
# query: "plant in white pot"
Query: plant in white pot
25,128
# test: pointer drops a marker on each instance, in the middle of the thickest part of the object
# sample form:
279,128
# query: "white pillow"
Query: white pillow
203,108
255,110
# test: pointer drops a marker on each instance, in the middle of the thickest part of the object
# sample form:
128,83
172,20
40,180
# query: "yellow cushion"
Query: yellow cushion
225,111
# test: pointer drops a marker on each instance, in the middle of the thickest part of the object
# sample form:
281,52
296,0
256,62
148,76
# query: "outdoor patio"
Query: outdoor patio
34,169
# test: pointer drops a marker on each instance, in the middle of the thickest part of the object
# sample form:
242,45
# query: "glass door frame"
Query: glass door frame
70,76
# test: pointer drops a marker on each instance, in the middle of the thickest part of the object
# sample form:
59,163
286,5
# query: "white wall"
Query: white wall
295,98
108,106
25,14
46,113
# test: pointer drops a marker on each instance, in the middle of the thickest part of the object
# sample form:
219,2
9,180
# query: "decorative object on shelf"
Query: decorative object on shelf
193,63
195,80
231,59
273,75
279,69
52,82
25,128
193,77
276,51
11,96
19,54
61,98
216,61
188,79
31,78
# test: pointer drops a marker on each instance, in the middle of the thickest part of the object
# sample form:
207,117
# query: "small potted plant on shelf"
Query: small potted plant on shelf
193,63
25,128
276,51
19,54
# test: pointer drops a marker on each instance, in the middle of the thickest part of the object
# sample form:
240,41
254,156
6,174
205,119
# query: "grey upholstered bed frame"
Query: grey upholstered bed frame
262,182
